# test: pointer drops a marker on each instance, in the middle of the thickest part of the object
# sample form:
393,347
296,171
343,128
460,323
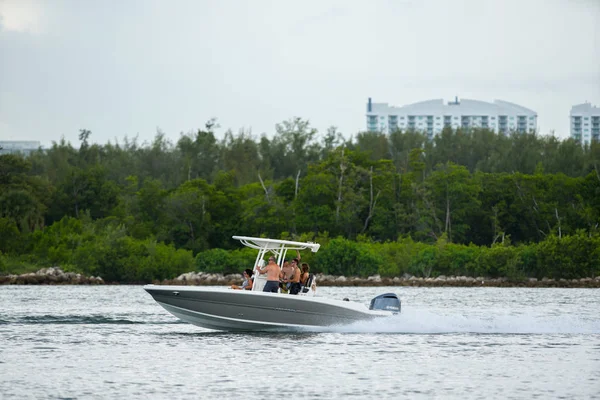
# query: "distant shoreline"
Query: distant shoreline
328,281
55,276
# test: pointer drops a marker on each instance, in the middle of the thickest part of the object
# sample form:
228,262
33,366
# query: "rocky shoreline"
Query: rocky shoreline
207,279
56,276
50,276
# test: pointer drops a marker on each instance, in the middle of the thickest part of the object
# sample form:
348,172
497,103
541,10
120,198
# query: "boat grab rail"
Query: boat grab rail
276,244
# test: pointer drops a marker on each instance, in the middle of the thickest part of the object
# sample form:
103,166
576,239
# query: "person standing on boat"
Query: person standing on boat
295,279
273,271
287,272
304,275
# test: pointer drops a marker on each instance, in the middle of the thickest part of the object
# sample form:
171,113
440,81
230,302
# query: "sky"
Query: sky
127,68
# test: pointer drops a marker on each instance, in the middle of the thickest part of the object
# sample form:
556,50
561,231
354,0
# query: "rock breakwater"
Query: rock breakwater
56,276
50,276
203,278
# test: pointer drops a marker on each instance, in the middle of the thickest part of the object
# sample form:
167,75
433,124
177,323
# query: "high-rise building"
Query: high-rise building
585,123
432,116
18,146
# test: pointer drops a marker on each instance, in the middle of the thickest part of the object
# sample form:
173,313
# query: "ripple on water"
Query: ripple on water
514,343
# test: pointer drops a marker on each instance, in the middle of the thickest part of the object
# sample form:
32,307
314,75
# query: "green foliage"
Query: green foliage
424,262
227,262
16,265
501,261
460,260
161,261
56,244
576,256
10,241
398,256
315,207
102,248
119,258
23,198
468,201
345,257
214,260
449,197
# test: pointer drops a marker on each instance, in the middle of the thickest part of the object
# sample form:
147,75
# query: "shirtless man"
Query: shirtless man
272,270
295,278
287,273
288,268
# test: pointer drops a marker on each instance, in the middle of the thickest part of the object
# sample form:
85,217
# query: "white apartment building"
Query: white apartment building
18,146
432,116
585,123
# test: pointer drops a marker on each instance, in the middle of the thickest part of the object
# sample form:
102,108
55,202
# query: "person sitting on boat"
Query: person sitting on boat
248,281
273,271
295,279
307,280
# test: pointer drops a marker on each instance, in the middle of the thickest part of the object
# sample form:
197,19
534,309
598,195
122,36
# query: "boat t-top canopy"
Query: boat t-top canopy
276,246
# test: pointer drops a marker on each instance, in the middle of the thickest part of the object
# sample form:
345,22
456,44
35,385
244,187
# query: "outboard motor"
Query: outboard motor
386,302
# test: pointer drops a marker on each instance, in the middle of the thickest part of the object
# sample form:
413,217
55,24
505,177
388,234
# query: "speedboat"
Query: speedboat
254,310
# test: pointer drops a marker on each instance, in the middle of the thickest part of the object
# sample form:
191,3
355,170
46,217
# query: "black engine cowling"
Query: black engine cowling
386,302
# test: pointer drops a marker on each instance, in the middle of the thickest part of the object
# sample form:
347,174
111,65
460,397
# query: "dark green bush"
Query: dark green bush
569,257
345,257
227,262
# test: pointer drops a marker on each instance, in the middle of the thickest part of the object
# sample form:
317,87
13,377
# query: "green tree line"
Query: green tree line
468,201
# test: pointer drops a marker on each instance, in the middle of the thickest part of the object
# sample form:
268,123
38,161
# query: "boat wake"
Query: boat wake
77,320
426,322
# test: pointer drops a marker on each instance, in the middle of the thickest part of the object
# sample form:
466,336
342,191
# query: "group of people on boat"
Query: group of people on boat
288,279
292,278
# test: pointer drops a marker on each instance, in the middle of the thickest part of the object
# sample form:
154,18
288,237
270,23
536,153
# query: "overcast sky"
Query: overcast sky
125,68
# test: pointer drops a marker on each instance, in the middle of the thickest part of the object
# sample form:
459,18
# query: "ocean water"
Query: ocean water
115,342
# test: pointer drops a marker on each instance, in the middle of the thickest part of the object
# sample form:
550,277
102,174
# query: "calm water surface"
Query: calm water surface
451,343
